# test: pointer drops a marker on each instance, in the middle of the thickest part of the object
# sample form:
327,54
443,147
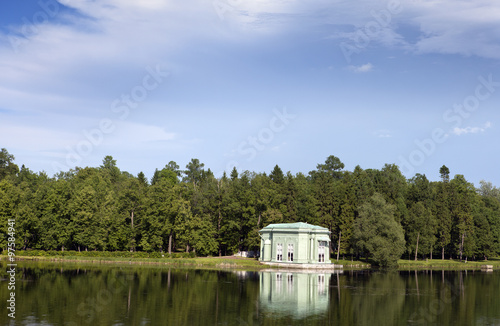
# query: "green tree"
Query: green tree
241,216
158,225
174,167
110,169
141,177
306,202
130,212
377,233
444,172
194,172
347,214
486,212
7,166
10,199
462,194
55,217
277,175
420,223
393,185
332,166
203,236
442,204
327,189
83,210
483,235
420,229
362,185
165,174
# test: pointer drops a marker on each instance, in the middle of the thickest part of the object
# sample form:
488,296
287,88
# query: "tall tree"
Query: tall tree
7,166
277,175
174,167
10,199
442,205
131,210
487,189
462,193
194,171
420,229
347,214
420,223
332,166
378,233
110,168
444,172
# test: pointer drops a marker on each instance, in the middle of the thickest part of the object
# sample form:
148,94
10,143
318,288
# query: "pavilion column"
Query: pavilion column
311,250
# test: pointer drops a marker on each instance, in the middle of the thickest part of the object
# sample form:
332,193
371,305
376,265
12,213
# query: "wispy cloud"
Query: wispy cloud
471,130
367,67
447,26
383,133
474,27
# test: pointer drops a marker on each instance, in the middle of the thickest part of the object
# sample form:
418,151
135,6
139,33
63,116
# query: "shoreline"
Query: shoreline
225,263
239,263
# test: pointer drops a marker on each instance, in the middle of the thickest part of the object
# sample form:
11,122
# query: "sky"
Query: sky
252,84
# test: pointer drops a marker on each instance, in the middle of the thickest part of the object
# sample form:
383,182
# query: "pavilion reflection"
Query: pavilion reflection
293,293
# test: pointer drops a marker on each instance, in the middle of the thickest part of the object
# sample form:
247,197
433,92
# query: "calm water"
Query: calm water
53,294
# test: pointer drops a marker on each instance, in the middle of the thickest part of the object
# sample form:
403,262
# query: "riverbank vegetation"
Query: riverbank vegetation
169,260
226,262
447,264
192,211
139,257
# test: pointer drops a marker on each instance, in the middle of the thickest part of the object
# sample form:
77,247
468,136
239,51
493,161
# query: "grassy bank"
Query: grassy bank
143,258
199,262
228,262
351,264
447,264
451,264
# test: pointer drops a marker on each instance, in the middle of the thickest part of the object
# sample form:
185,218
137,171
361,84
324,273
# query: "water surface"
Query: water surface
69,294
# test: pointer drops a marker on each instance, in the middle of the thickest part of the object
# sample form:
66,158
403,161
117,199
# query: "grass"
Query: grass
227,262
405,264
447,264
351,264
239,263
198,262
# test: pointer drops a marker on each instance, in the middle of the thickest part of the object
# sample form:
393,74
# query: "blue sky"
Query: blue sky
252,84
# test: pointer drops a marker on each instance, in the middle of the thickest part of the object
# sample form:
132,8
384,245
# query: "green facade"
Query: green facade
295,243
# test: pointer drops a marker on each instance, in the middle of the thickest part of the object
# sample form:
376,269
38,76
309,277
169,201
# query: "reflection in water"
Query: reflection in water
295,294
98,295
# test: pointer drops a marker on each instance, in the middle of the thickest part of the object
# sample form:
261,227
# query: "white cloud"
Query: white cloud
383,133
437,26
74,66
471,130
136,134
458,27
121,35
367,67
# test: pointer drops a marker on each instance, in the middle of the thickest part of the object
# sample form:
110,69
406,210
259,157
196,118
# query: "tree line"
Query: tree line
373,213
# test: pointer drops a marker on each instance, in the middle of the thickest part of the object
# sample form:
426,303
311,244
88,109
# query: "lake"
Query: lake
71,294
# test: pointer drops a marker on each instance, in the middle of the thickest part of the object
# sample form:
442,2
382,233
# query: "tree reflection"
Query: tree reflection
55,294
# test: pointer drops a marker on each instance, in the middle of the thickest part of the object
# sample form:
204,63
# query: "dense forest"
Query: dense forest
103,208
